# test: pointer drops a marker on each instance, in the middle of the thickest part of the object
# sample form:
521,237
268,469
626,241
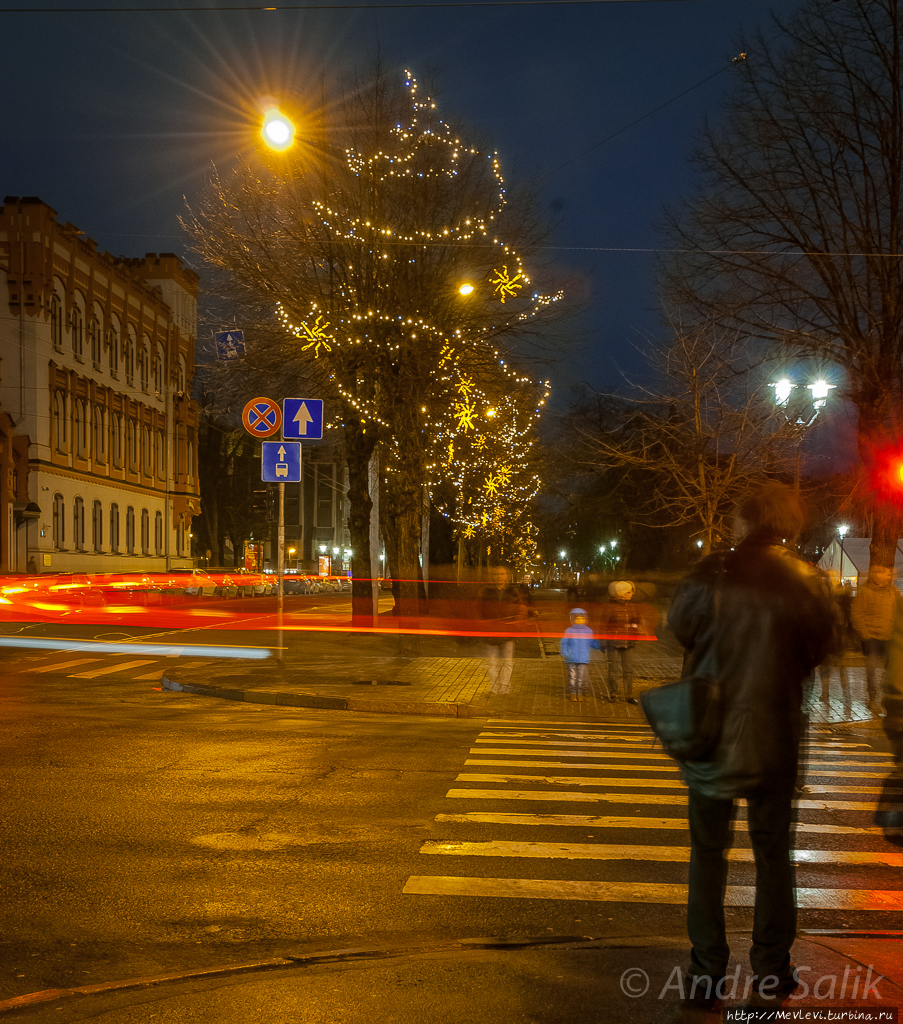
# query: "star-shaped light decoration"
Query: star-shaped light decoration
451,452
503,475
491,485
465,386
464,414
480,443
315,336
469,531
504,285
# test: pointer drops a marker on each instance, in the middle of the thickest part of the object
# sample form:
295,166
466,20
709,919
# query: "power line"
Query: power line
321,7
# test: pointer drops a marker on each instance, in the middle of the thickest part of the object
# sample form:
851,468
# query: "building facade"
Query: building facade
99,435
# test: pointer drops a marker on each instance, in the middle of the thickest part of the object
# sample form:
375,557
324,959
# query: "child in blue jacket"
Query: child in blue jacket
575,647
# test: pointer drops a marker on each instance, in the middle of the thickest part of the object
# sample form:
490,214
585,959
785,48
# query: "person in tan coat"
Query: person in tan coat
873,619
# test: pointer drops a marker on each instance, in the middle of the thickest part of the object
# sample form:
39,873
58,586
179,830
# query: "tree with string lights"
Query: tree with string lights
385,245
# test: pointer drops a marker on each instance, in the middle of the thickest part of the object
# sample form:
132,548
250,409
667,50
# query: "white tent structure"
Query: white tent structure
847,560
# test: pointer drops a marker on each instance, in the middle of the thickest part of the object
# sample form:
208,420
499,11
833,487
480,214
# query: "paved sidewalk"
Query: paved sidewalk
548,980
394,675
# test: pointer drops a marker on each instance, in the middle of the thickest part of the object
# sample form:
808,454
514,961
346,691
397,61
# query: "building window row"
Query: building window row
98,434
97,528
142,362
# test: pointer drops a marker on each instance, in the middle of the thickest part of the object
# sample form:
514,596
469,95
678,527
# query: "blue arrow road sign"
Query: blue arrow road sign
280,462
230,344
302,419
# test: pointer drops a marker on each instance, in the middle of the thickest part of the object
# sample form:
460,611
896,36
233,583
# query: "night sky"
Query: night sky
114,118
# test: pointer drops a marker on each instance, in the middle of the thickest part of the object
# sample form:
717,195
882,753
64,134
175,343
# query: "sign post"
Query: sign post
280,461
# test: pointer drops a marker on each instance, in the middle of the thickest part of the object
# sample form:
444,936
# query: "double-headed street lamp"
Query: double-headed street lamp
800,415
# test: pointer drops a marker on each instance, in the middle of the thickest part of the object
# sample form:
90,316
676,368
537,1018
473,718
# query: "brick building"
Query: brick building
99,435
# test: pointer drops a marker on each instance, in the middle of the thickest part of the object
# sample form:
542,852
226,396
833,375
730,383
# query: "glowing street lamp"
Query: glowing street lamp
820,390
466,289
277,130
782,391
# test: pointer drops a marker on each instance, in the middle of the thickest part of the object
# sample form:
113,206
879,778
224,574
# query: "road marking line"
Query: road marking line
537,735
677,854
577,780
658,768
651,756
671,799
603,780
590,821
526,723
109,671
566,764
64,664
641,892
148,675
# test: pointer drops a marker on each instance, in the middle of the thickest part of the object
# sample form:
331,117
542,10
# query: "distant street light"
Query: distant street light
466,289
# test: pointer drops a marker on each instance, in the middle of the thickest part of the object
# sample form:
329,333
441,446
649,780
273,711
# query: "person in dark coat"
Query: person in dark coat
757,619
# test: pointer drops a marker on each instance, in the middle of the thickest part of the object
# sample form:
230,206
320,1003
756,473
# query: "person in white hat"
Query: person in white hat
620,621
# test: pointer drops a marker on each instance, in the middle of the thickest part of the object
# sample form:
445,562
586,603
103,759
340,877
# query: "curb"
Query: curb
52,995
280,698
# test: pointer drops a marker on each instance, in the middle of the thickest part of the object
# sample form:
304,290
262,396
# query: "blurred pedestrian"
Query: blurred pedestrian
757,620
834,658
620,622
575,647
501,605
873,619
889,812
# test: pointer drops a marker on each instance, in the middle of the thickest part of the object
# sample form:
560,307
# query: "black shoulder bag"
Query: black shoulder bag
687,716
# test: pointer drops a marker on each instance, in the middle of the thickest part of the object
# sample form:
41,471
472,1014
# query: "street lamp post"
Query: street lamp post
842,530
800,416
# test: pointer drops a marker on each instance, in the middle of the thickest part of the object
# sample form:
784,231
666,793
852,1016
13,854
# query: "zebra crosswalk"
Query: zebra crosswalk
639,824
97,666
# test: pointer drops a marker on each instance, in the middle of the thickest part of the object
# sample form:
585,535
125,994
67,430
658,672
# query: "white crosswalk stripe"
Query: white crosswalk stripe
618,767
105,665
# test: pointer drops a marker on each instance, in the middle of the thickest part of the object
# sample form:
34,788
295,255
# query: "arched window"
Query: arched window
80,428
59,420
114,342
189,450
116,441
114,527
100,434
161,455
147,445
77,331
130,530
94,341
56,321
78,524
145,532
183,376
130,355
132,445
59,521
97,526
158,533
144,359
158,372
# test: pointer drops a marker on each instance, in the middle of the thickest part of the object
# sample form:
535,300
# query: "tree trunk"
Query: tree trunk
873,442
359,445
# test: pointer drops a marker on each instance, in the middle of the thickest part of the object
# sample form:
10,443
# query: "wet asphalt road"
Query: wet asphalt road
143,832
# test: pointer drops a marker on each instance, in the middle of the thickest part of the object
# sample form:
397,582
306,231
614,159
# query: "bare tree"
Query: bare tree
361,243
795,235
697,436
